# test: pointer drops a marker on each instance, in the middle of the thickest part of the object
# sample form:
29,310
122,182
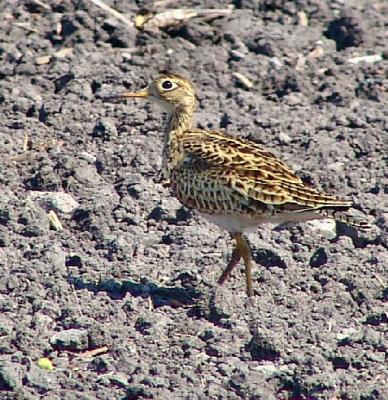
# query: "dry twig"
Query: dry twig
95,352
178,16
113,12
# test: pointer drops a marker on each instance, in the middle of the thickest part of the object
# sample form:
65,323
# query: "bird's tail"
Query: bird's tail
342,216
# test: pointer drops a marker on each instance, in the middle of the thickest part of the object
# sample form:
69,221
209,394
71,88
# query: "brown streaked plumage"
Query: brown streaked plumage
235,183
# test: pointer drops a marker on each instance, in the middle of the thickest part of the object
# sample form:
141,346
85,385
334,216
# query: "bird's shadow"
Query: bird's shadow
199,305
160,296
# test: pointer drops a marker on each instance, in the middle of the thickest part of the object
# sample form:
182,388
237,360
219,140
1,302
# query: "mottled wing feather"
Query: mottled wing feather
231,175
218,149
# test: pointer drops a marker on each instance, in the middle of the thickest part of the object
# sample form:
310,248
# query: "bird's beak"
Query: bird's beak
123,95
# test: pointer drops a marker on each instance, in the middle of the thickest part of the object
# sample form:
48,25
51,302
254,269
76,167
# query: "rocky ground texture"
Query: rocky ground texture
109,278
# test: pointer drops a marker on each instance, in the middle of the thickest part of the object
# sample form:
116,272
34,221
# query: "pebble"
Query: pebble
318,258
303,19
263,346
119,379
35,221
293,99
284,138
268,258
71,339
367,59
237,55
324,225
105,129
6,326
44,380
10,376
42,322
276,63
243,80
60,201
4,238
337,167
91,158
350,335
268,369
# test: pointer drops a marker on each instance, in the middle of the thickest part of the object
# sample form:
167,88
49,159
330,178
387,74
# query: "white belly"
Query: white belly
243,223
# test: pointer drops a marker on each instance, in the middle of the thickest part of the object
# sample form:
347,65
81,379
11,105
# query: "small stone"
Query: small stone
65,52
293,99
6,215
104,129
263,346
110,23
60,201
367,59
318,258
41,379
43,59
356,122
166,210
337,166
284,138
42,322
243,80
100,364
349,336
119,379
328,226
268,258
316,53
10,376
35,221
341,120
4,238
91,158
269,369
73,260
71,339
6,326
237,55
275,62
303,19
143,326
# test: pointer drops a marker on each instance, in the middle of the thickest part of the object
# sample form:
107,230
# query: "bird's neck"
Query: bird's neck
179,121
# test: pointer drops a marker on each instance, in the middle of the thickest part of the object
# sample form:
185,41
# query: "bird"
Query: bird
233,182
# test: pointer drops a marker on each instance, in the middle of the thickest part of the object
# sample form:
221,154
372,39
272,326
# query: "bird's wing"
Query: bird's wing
252,171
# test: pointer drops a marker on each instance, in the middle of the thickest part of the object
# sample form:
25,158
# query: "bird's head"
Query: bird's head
172,92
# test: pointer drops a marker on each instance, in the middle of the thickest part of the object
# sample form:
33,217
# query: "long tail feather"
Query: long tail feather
342,216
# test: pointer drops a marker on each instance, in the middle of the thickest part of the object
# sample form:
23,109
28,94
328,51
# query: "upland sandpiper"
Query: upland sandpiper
234,183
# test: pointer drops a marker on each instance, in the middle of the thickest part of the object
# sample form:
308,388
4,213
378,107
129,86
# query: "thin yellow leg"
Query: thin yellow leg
243,250
246,254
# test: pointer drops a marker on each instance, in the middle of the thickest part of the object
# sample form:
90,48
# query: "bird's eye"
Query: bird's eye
168,85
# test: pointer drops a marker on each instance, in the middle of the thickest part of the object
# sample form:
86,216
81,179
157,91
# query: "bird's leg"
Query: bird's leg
243,250
246,254
236,256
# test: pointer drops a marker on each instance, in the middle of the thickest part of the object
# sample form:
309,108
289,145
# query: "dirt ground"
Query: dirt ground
123,299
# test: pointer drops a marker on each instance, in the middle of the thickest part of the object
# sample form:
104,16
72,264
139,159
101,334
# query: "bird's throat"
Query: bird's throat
180,120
